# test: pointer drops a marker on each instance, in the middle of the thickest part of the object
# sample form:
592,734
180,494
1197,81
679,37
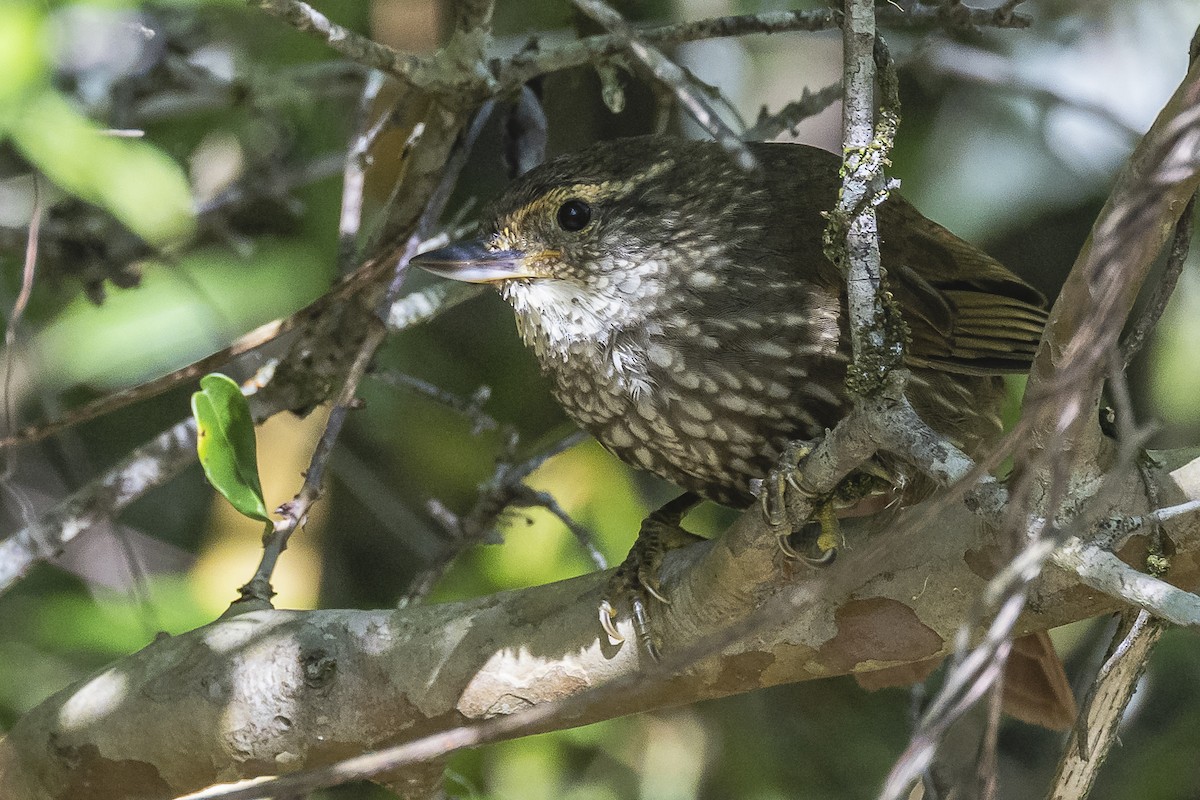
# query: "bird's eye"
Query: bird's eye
574,215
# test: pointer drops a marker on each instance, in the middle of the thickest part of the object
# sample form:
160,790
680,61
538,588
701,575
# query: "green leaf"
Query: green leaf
225,444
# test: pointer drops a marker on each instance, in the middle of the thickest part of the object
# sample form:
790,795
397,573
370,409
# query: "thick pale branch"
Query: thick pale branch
283,690
1104,572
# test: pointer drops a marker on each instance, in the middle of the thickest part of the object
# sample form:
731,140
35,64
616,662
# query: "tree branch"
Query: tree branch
670,75
1096,731
151,465
357,48
1150,194
278,690
520,68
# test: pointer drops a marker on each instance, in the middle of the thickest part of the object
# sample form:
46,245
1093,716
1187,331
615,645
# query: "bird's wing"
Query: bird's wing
966,312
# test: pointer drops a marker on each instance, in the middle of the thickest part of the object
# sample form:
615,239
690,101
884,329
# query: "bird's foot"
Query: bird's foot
816,542
636,580
787,476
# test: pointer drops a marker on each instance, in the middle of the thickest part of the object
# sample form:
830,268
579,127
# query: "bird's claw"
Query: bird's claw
773,494
608,619
824,559
773,497
826,543
637,578
641,624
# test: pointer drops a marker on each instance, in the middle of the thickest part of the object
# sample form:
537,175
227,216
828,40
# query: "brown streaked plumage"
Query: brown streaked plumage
688,319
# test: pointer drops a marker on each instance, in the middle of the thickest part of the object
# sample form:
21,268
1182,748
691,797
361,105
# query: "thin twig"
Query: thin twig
538,499
295,512
28,272
523,66
118,400
1181,243
768,126
506,488
353,46
518,69
355,170
470,407
673,76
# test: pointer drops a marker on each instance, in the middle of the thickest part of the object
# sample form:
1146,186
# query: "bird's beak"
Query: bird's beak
473,262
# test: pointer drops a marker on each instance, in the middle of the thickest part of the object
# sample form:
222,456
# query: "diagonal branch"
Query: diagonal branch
149,466
1096,731
354,46
1150,194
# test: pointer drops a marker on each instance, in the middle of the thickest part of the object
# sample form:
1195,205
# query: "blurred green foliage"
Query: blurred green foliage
179,313
224,215
136,182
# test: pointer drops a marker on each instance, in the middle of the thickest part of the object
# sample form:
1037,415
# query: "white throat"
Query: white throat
563,321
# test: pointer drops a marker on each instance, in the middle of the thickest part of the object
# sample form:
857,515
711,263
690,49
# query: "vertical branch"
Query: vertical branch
355,171
1181,243
852,236
858,122
28,272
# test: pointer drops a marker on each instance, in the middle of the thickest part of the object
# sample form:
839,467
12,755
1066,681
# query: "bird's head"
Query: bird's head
604,239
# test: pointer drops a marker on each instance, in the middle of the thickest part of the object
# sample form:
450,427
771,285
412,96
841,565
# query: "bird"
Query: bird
686,316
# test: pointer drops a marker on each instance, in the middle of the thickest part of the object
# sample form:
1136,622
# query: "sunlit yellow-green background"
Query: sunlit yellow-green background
1017,163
